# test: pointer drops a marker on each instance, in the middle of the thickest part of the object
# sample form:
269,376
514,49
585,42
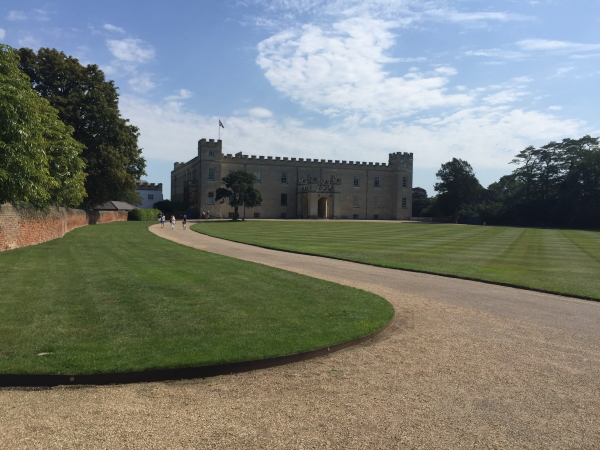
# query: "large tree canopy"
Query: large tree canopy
89,103
39,160
557,184
458,186
239,189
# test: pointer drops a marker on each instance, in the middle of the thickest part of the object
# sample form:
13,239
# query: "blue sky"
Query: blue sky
353,80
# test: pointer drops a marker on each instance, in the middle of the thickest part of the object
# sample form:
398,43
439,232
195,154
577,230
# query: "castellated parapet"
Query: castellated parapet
299,187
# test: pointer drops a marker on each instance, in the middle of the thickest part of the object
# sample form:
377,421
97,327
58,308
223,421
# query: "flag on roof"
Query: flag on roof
221,124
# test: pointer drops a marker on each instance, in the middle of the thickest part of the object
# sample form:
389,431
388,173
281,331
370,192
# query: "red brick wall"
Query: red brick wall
22,227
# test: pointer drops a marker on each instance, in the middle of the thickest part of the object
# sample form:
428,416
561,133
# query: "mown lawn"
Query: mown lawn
115,297
560,261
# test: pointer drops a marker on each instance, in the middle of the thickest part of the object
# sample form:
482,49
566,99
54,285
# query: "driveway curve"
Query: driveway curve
465,365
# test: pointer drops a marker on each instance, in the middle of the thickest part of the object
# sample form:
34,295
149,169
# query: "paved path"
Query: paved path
465,365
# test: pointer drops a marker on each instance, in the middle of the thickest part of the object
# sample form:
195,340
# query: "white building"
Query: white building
150,193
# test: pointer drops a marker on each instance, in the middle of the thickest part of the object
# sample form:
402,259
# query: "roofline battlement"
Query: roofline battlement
210,143
239,155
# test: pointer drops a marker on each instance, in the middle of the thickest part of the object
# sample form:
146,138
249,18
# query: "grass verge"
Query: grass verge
559,261
115,297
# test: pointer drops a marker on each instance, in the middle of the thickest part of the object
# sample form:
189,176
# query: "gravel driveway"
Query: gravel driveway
464,365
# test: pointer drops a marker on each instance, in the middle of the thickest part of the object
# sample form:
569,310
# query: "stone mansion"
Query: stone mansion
298,188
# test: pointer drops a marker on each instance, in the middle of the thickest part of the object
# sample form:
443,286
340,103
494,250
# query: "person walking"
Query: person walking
184,221
173,222
162,221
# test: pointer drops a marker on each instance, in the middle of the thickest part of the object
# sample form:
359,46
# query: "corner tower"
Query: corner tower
210,155
402,164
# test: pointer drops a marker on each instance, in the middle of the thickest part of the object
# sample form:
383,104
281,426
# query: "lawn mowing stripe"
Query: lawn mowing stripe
541,259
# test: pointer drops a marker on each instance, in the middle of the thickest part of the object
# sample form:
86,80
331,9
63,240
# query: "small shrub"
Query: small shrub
143,214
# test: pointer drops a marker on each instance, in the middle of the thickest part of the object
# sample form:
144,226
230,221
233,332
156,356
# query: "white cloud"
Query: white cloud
2,33
339,71
407,60
260,113
16,15
29,41
521,80
405,12
562,71
548,45
507,96
455,16
554,108
181,94
445,70
131,50
110,27
529,47
496,53
142,83
495,135
35,14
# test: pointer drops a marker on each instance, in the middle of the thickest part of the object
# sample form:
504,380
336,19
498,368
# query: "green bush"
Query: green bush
143,214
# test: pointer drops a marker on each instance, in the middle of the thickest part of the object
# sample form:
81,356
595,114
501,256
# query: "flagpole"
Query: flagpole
219,127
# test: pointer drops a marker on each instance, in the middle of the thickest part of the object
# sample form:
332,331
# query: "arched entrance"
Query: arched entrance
323,208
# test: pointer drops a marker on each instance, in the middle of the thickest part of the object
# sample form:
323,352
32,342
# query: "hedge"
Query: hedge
143,214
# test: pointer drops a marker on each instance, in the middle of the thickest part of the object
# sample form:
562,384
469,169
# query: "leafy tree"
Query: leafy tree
89,103
239,189
420,201
168,207
556,184
458,187
39,160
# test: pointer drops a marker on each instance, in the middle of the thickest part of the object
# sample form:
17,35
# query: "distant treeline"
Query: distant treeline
556,185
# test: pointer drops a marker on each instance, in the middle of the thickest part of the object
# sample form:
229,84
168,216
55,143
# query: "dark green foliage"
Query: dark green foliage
143,214
39,160
420,201
131,197
168,207
239,189
89,104
115,297
557,184
458,187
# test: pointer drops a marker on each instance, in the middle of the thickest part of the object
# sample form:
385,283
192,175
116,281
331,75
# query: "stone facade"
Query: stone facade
298,188
150,193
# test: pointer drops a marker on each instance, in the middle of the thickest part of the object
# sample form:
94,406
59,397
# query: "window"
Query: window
194,176
211,174
404,181
376,202
211,198
230,215
404,202
332,179
283,215
308,177
257,215
376,182
283,199
284,178
211,154
356,181
355,201
355,216
150,196
376,217
257,175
